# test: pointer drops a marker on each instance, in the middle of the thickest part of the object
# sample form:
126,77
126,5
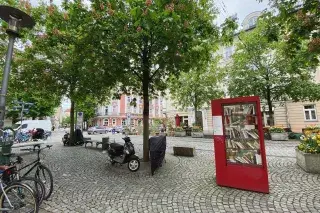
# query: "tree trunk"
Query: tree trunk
195,106
145,86
269,102
195,115
72,138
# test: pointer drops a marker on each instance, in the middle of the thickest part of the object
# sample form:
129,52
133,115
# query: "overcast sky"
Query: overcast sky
240,7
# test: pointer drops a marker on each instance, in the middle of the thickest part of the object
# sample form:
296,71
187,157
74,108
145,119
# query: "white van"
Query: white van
31,124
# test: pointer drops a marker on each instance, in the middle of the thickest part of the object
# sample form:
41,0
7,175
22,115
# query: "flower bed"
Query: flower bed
308,152
278,133
179,132
197,132
311,129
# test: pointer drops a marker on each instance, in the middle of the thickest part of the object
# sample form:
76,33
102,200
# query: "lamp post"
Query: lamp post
16,19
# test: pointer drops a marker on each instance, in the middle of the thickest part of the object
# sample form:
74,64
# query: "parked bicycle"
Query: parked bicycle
12,175
23,137
16,196
42,173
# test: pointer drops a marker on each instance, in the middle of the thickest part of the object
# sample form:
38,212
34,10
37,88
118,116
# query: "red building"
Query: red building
120,112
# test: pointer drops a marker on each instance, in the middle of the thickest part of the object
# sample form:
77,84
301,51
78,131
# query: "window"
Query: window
106,111
310,113
113,121
124,122
252,22
24,126
106,122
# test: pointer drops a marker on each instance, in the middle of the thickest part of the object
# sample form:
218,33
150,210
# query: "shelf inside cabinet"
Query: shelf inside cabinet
243,164
240,115
242,149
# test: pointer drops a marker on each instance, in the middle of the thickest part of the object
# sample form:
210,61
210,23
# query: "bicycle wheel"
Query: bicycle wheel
45,176
36,185
18,197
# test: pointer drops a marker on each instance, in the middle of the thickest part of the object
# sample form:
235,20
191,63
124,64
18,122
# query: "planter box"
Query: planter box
283,136
180,134
197,134
308,162
183,151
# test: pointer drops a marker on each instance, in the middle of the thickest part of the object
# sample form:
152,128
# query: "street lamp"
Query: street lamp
16,19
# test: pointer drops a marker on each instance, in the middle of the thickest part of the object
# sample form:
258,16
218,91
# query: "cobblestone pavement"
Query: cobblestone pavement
85,182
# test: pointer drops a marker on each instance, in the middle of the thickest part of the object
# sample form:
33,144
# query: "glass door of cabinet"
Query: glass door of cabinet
242,143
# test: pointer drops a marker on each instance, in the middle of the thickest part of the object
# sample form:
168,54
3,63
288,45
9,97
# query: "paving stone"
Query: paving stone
84,181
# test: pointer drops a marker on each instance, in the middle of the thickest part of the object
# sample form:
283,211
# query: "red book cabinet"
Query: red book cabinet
239,144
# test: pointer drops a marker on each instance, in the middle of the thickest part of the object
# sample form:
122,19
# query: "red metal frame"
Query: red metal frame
242,176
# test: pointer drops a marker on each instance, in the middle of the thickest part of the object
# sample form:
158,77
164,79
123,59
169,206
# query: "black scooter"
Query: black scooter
66,138
79,140
122,154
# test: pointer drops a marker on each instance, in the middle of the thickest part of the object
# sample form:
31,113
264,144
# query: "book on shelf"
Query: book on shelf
246,158
249,127
256,145
248,110
244,133
233,145
251,145
242,160
240,145
253,134
258,159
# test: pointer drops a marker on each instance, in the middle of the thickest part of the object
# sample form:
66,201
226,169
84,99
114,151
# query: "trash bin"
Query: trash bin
5,152
105,143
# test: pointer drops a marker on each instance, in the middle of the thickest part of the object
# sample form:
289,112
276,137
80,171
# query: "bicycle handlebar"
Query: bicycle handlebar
20,159
39,150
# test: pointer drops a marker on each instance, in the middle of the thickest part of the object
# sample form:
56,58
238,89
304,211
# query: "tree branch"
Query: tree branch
155,72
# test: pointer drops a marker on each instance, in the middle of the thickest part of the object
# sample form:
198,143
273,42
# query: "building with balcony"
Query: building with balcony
121,112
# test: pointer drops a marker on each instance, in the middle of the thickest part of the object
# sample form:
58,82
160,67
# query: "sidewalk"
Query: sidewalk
86,182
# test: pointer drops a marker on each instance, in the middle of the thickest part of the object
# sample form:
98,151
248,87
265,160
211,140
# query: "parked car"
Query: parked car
109,129
97,130
119,129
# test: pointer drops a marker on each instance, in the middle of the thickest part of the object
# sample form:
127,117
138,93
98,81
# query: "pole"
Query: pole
5,80
21,115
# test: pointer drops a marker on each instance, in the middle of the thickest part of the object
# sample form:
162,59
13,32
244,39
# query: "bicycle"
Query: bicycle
23,137
14,176
42,173
19,194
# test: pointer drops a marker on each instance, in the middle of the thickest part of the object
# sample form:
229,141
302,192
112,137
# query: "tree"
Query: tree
261,67
66,121
197,87
299,21
88,107
60,61
149,41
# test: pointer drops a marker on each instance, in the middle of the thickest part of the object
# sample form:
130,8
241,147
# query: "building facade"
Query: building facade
122,113
298,115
